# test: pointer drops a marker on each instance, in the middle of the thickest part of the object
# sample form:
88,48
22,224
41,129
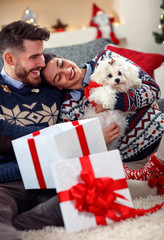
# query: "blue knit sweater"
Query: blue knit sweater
23,111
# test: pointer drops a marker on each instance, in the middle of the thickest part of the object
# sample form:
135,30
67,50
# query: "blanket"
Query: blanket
149,227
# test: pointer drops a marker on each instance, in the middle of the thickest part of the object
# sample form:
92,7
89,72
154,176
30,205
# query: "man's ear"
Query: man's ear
9,58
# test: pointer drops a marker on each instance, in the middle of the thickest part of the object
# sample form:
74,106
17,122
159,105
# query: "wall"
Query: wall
139,18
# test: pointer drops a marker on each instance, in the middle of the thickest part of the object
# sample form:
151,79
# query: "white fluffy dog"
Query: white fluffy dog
113,75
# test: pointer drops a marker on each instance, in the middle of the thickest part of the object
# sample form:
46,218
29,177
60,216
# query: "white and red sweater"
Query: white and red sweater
145,125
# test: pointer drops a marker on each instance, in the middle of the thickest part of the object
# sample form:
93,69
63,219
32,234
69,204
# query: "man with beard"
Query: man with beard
25,106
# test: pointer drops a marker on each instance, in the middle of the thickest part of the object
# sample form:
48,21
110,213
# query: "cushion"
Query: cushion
147,61
80,53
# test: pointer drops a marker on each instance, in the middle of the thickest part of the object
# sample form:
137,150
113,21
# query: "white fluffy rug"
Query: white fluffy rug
150,227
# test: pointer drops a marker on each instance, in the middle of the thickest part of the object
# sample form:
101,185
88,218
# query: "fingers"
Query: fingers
155,105
111,133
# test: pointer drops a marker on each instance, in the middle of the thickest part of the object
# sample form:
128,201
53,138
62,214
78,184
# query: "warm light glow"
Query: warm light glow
84,26
159,26
116,23
27,11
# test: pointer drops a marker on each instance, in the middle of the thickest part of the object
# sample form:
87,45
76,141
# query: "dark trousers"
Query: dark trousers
22,209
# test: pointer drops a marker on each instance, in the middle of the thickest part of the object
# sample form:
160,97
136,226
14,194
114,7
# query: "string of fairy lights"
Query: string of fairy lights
159,37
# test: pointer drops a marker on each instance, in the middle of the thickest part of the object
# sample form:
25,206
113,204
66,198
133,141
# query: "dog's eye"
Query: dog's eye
119,73
110,75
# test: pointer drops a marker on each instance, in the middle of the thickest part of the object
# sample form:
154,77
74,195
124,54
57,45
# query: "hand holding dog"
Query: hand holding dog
111,133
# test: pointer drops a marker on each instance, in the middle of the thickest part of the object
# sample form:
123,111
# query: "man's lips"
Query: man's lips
35,73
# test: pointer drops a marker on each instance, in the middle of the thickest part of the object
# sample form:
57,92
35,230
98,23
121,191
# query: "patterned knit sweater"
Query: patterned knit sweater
145,125
23,111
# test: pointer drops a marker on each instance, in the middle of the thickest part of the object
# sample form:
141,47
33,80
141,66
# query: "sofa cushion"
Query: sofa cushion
80,53
147,61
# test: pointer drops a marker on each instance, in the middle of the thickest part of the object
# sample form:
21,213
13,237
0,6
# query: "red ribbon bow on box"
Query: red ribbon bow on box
97,196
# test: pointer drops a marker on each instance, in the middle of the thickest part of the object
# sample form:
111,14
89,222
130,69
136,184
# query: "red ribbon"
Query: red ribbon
91,85
82,138
36,133
35,158
36,163
97,196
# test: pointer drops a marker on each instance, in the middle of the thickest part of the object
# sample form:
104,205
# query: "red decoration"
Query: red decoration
97,196
59,27
100,18
89,87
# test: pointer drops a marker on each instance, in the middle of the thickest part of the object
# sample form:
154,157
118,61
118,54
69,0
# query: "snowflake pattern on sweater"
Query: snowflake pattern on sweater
145,124
28,109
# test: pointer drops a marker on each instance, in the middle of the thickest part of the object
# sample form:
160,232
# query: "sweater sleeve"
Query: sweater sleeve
15,131
138,98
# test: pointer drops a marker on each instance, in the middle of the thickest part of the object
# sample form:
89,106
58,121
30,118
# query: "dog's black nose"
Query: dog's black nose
117,80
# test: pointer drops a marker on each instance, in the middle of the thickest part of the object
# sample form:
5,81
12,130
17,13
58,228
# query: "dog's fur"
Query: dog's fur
115,75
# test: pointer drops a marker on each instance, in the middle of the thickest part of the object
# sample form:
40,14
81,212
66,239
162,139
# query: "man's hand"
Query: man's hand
111,133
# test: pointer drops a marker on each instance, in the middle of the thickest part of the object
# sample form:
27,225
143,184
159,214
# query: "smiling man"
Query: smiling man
25,106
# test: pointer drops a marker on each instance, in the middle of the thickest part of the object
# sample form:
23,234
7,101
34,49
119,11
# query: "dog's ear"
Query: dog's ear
132,75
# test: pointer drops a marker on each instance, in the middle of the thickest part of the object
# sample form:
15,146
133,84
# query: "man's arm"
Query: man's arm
15,131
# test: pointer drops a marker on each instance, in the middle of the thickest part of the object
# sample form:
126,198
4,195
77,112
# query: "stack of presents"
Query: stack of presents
73,159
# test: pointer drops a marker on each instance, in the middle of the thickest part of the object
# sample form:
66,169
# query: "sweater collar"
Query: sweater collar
11,81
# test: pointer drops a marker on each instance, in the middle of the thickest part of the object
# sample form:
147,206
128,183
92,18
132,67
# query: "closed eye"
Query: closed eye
60,63
110,75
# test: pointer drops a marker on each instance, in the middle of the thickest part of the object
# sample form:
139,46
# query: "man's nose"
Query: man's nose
41,62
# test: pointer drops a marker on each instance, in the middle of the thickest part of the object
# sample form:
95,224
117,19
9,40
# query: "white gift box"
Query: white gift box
36,152
68,174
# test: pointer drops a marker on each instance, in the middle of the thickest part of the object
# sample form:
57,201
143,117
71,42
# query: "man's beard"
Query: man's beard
22,74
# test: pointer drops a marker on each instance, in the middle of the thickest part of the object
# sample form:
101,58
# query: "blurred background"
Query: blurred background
134,20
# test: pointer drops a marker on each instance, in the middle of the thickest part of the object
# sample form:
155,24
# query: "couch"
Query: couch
80,53
129,229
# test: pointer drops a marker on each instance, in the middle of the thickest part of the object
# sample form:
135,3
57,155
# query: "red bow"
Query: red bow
91,85
95,195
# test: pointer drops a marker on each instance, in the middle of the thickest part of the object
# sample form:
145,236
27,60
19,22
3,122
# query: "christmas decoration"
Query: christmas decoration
59,27
100,18
29,16
159,37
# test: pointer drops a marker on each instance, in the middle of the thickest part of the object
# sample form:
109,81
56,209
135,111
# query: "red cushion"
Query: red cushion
147,61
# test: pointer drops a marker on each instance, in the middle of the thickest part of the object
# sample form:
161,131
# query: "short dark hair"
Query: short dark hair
13,34
48,57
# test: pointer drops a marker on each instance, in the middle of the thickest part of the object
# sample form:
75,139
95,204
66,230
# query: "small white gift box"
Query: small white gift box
92,190
36,152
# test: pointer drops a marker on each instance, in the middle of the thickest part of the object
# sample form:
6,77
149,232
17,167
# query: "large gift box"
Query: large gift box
92,190
37,151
